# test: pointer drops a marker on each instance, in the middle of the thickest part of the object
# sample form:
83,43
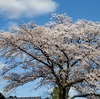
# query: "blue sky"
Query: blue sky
13,12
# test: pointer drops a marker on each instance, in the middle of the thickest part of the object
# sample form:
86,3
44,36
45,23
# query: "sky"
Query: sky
14,12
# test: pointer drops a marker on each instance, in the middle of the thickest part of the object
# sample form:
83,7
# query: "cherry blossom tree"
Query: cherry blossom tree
62,53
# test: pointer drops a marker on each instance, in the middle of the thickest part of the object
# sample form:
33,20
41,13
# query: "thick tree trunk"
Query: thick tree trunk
63,93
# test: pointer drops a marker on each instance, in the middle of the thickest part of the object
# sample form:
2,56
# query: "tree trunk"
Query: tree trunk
63,93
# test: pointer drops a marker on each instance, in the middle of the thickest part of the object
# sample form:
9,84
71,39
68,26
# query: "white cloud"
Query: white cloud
28,8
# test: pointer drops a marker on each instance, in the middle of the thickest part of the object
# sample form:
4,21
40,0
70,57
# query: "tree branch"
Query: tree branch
64,54
75,62
30,54
95,62
48,59
74,82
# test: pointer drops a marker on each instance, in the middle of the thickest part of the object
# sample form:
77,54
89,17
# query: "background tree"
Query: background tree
62,53
55,93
